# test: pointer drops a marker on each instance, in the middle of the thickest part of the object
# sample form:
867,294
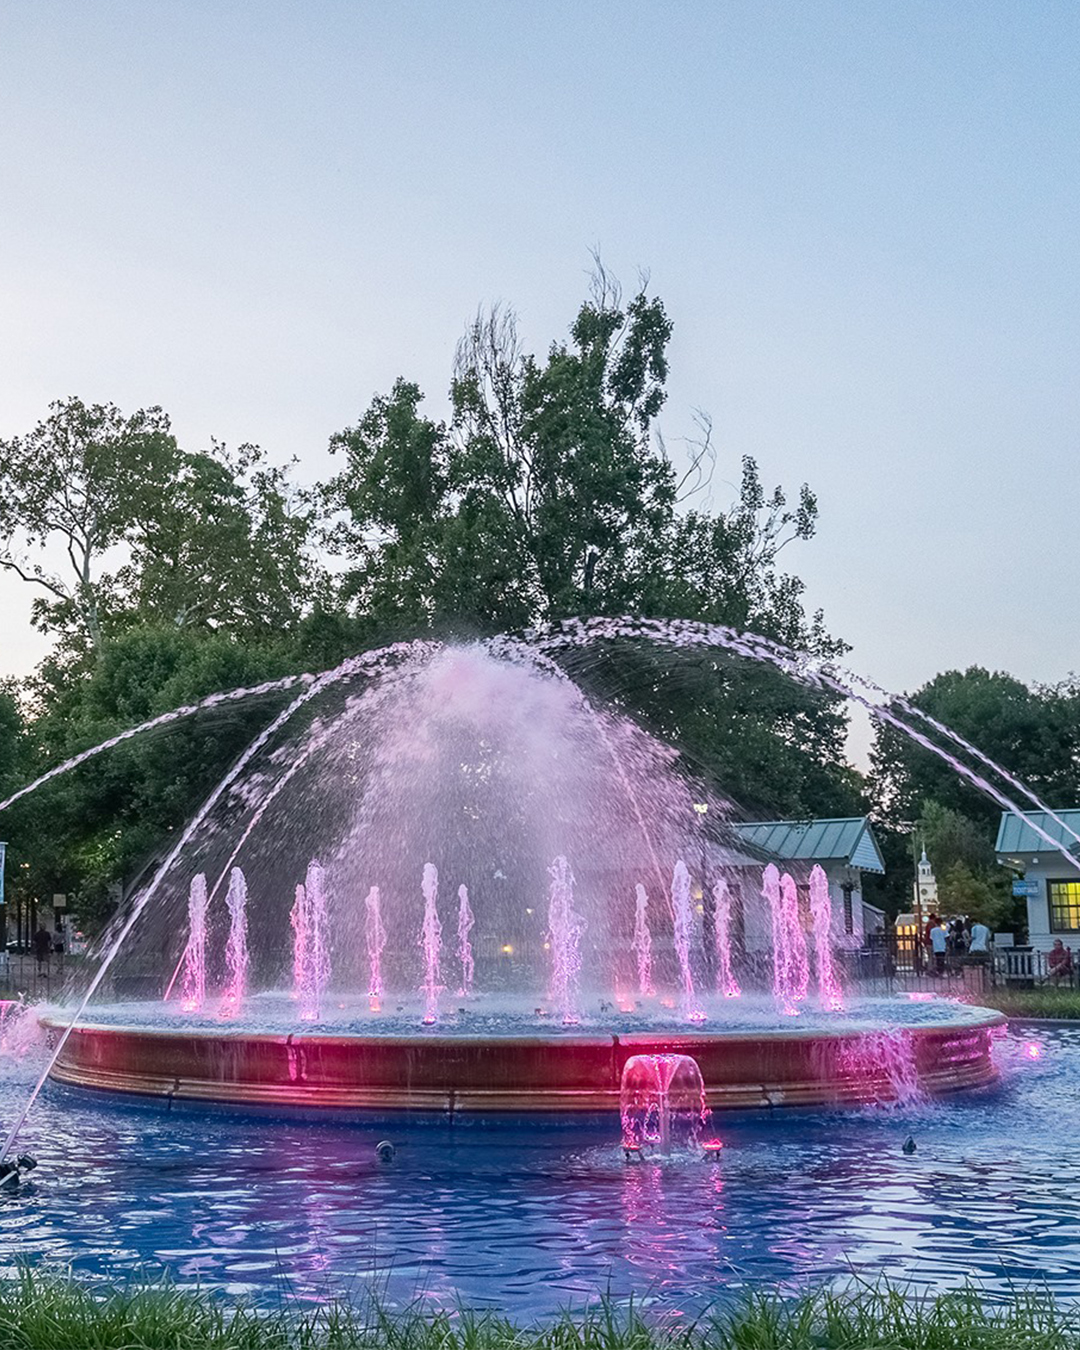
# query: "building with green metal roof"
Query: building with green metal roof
1042,850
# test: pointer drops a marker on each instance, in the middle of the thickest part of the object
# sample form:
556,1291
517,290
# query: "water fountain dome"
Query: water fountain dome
464,888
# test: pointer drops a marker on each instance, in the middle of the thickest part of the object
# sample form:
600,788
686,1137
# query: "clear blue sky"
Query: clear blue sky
862,217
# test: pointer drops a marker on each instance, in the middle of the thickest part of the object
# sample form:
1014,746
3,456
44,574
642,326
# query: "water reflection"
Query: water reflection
529,1219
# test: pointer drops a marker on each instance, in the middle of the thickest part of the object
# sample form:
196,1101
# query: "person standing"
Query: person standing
980,942
938,945
42,948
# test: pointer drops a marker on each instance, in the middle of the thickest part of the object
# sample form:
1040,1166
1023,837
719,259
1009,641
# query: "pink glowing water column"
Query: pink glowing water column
829,989
565,928
236,952
726,982
797,962
298,922
791,973
465,921
662,1103
683,912
193,985
642,944
376,940
311,948
431,942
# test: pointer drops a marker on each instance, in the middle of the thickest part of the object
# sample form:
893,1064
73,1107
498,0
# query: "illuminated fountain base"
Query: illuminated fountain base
940,1048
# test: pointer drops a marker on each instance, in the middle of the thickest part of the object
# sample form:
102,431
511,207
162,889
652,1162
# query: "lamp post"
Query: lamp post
708,900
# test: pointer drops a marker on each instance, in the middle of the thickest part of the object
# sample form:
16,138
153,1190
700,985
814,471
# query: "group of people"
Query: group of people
950,942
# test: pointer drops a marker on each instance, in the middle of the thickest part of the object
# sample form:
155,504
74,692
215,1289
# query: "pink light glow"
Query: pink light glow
829,990
918,996
193,987
642,944
431,942
376,941
464,948
236,952
565,928
726,982
683,914
1033,1050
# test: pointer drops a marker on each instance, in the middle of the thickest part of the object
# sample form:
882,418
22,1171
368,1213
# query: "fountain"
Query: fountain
662,1105
486,764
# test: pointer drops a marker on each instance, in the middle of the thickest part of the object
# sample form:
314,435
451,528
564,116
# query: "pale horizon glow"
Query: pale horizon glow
862,221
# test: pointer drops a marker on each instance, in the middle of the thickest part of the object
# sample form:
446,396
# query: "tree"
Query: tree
225,550
80,482
549,495
1033,733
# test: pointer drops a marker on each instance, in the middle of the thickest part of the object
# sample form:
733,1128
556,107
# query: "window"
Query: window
849,916
1064,906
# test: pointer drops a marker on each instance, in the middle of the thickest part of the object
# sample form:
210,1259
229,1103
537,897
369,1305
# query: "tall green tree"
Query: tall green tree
70,491
550,494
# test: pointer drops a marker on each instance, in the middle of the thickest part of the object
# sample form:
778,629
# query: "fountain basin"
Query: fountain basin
561,1073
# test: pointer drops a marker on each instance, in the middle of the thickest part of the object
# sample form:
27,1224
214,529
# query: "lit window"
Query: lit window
1064,906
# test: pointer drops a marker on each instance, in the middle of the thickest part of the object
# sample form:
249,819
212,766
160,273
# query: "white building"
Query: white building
1048,876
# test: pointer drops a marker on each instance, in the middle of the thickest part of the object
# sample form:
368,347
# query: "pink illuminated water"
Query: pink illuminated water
662,1103
642,944
829,989
565,928
298,921
683,913
726,982
431,941
236,948
464,946
312,972
791,973
375,935
193,987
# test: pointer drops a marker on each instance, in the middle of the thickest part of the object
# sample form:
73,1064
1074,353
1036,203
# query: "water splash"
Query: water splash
565,928
682,910
642,943
431,941
314,965
236,949
662,1104
829,988
464,946
193,988
375,934
726,983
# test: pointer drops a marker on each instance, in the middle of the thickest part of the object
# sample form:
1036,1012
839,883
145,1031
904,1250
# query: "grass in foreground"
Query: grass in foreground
40,1312
1042,1002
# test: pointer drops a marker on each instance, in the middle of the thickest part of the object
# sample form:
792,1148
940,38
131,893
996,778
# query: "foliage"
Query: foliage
81,480
1043,1002
1032,732
43,1312
549,495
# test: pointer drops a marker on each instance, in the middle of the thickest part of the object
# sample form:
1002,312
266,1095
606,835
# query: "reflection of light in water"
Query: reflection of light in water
1033,1050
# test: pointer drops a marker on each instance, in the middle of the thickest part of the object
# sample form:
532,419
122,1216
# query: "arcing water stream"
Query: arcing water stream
624,744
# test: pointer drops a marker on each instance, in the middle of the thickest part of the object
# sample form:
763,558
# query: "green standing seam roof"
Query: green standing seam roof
849,840
1016,835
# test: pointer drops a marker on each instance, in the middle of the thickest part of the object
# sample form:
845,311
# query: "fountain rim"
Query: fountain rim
989,1018
550,1075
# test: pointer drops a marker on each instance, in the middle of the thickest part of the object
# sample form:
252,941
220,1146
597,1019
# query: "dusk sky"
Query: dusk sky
862,218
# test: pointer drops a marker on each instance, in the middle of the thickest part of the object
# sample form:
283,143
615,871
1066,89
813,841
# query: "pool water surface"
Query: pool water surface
532,1218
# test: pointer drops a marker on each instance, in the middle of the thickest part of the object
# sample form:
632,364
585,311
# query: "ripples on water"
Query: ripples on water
531,1218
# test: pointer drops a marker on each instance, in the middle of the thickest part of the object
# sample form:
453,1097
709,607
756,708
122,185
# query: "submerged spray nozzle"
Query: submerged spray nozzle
11,1169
